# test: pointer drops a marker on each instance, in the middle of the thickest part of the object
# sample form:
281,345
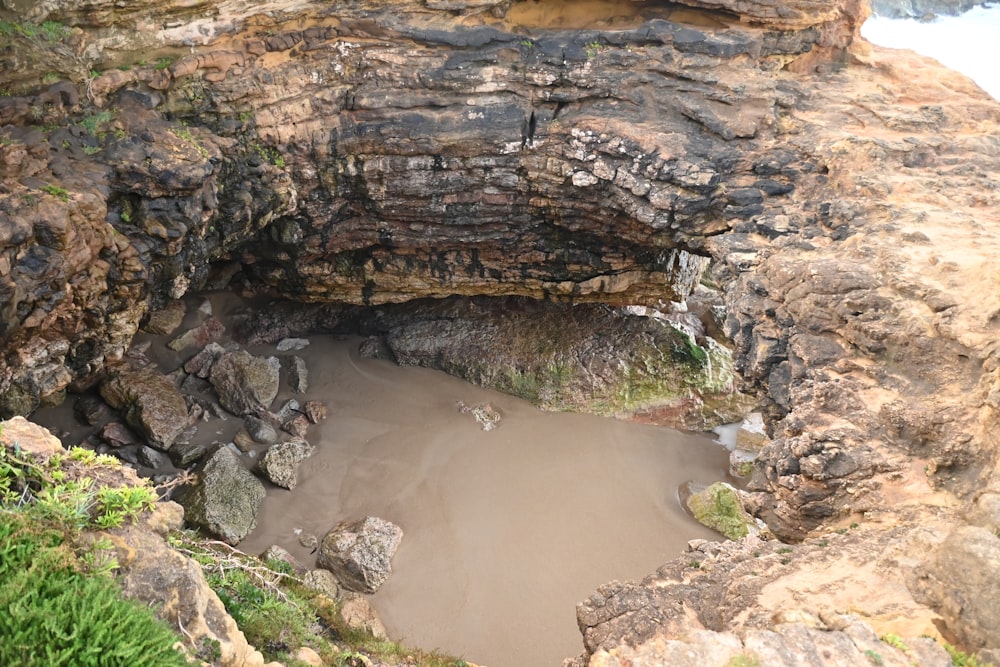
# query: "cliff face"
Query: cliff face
373,152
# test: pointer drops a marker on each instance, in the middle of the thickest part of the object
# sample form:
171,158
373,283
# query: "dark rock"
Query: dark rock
150,403
225,499
280,463
184,454
117,434
152,458
359,553
261,431
91,410
245,384
298,375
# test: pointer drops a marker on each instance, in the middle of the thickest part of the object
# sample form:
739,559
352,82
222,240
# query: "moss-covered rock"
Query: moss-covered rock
225,499
719,507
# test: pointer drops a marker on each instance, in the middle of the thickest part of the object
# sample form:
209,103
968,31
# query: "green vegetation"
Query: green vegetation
163,63
49,31
744,660
593,48
894,641
184,133
62,608
278,614
271,155
962,659
874,657
56,191
93,123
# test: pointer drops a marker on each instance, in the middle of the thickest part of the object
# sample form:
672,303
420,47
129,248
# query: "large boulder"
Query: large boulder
358,553
150,403
281,462
246,384
225,499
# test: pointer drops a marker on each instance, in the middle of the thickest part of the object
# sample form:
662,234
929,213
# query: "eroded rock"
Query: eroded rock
359,553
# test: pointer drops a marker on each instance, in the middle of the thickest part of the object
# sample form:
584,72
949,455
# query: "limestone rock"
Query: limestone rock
200,365
315,411
281,461
150,403
208,331
719,507
246,384
156,575
225,499
359,553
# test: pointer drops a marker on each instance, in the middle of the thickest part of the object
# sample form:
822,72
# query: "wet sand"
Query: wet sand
505,530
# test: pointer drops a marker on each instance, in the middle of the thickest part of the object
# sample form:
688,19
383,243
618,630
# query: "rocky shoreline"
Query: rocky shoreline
843,196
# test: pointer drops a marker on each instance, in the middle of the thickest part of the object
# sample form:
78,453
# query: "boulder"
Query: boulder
246,384
225,499
359,553
150,403
281,461
719,507
962,581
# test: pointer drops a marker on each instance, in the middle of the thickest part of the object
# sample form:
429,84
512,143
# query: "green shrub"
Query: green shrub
56,615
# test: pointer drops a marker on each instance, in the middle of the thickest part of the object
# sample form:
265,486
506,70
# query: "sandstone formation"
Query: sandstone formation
842,197
359,553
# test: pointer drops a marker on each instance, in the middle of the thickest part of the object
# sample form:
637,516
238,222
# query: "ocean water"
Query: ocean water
969,43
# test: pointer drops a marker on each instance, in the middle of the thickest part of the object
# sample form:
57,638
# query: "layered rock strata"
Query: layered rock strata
370,153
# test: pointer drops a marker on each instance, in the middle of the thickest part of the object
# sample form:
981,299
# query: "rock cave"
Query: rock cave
676,213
